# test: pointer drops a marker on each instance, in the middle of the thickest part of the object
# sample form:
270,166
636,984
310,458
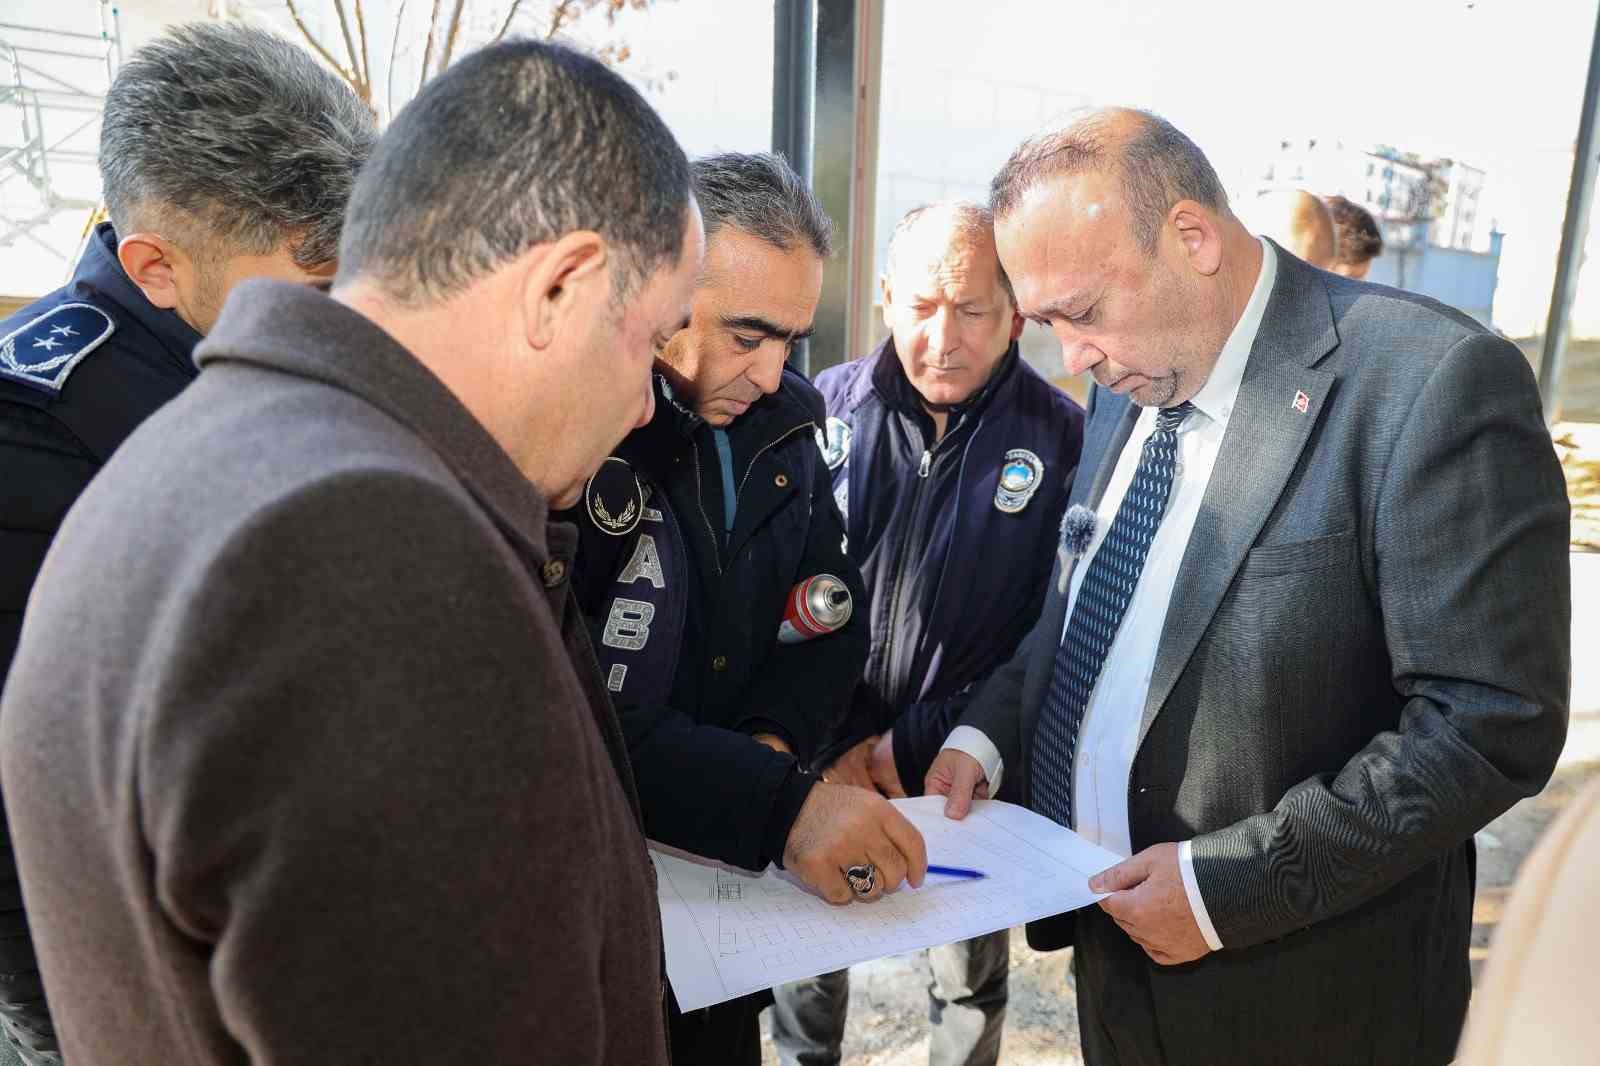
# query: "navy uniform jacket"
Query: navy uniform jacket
79,370
685,618
955,539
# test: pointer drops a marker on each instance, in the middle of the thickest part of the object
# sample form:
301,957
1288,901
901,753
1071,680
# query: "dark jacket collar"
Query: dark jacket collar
296,330
99,272
674,424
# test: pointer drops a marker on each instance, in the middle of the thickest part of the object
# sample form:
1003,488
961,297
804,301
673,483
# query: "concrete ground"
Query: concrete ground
888,999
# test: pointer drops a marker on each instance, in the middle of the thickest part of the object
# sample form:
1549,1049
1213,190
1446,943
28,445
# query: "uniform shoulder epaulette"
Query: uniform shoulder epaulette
43,353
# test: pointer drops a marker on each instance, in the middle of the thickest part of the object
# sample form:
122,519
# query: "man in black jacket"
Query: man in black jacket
225,153
693,535
951,460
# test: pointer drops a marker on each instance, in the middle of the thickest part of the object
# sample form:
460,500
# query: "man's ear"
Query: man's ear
887,293
150,261
1198,235
1017,323
563,279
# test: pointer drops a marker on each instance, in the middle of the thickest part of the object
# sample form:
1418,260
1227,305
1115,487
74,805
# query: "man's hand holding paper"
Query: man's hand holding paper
730,932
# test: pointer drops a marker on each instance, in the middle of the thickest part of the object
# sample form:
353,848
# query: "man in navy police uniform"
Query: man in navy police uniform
692,537
951,460
225,153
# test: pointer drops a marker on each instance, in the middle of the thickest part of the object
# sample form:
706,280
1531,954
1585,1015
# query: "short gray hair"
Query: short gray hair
759,193
516,145
969,223
228,134
1159,166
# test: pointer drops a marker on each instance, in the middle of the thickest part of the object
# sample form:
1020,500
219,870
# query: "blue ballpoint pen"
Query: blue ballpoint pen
955,871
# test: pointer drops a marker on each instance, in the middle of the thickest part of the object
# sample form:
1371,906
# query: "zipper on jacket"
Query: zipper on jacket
700,499
902,558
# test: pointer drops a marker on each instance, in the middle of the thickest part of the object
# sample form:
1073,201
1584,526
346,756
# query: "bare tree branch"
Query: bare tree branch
444,36
560,15
394,50
317,45
506,25
361,31
349,44
427,53
450,39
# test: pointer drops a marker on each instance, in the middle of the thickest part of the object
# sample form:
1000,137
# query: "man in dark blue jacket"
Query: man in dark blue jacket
951,460
693,534
225,153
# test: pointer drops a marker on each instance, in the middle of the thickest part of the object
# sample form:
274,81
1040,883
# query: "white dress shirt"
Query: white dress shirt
1108,739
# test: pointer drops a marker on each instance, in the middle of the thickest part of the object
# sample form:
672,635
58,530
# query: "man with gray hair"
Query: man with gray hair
1308,630
225,153
696,532
951,459
318,766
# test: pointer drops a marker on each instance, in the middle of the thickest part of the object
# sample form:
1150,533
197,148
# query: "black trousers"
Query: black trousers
1384,984
728,1034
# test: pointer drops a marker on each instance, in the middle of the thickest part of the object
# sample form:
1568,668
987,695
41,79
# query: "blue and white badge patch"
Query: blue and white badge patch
43,353
1020,476
833,440
614,498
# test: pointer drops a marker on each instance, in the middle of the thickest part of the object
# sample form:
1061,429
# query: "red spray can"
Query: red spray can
814,608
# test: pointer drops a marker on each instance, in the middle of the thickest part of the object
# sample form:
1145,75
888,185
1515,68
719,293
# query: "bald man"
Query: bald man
1311,635
1301,223
951,459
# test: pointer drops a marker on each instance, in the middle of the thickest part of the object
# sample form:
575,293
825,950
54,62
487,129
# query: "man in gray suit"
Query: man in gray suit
1307,631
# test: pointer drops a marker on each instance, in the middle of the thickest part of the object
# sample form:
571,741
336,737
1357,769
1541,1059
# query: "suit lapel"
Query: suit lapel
1113,425
1111,422
1104,438
1280,401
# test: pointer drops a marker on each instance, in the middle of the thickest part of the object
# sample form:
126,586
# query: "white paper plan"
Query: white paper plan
730,932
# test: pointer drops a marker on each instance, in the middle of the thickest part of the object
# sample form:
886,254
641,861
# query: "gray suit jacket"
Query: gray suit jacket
1364,661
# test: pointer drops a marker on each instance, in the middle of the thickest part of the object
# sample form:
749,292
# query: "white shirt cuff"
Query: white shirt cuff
1197,904
972,741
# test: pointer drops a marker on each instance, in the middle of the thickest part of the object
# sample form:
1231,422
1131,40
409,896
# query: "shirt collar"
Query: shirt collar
1216,397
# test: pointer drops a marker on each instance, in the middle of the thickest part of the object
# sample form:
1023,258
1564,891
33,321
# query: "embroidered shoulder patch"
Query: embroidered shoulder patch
43,353
834,442
1020,476
614,498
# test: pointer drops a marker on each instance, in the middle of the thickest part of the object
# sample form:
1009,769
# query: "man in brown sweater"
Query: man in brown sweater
333,776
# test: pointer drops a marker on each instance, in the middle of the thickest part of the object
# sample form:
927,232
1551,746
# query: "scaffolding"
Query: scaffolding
52,89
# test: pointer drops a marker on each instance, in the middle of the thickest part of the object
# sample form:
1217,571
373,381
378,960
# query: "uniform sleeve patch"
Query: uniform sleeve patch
43,353
833,439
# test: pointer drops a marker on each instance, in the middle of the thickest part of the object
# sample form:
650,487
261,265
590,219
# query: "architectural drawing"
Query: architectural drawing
731,932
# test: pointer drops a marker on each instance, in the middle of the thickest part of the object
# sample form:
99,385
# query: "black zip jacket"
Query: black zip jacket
685,619
955,565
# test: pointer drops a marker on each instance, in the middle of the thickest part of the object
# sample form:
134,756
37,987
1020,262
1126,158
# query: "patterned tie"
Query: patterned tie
1102,598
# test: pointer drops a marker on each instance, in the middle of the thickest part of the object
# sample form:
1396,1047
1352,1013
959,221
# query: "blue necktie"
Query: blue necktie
1103,597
